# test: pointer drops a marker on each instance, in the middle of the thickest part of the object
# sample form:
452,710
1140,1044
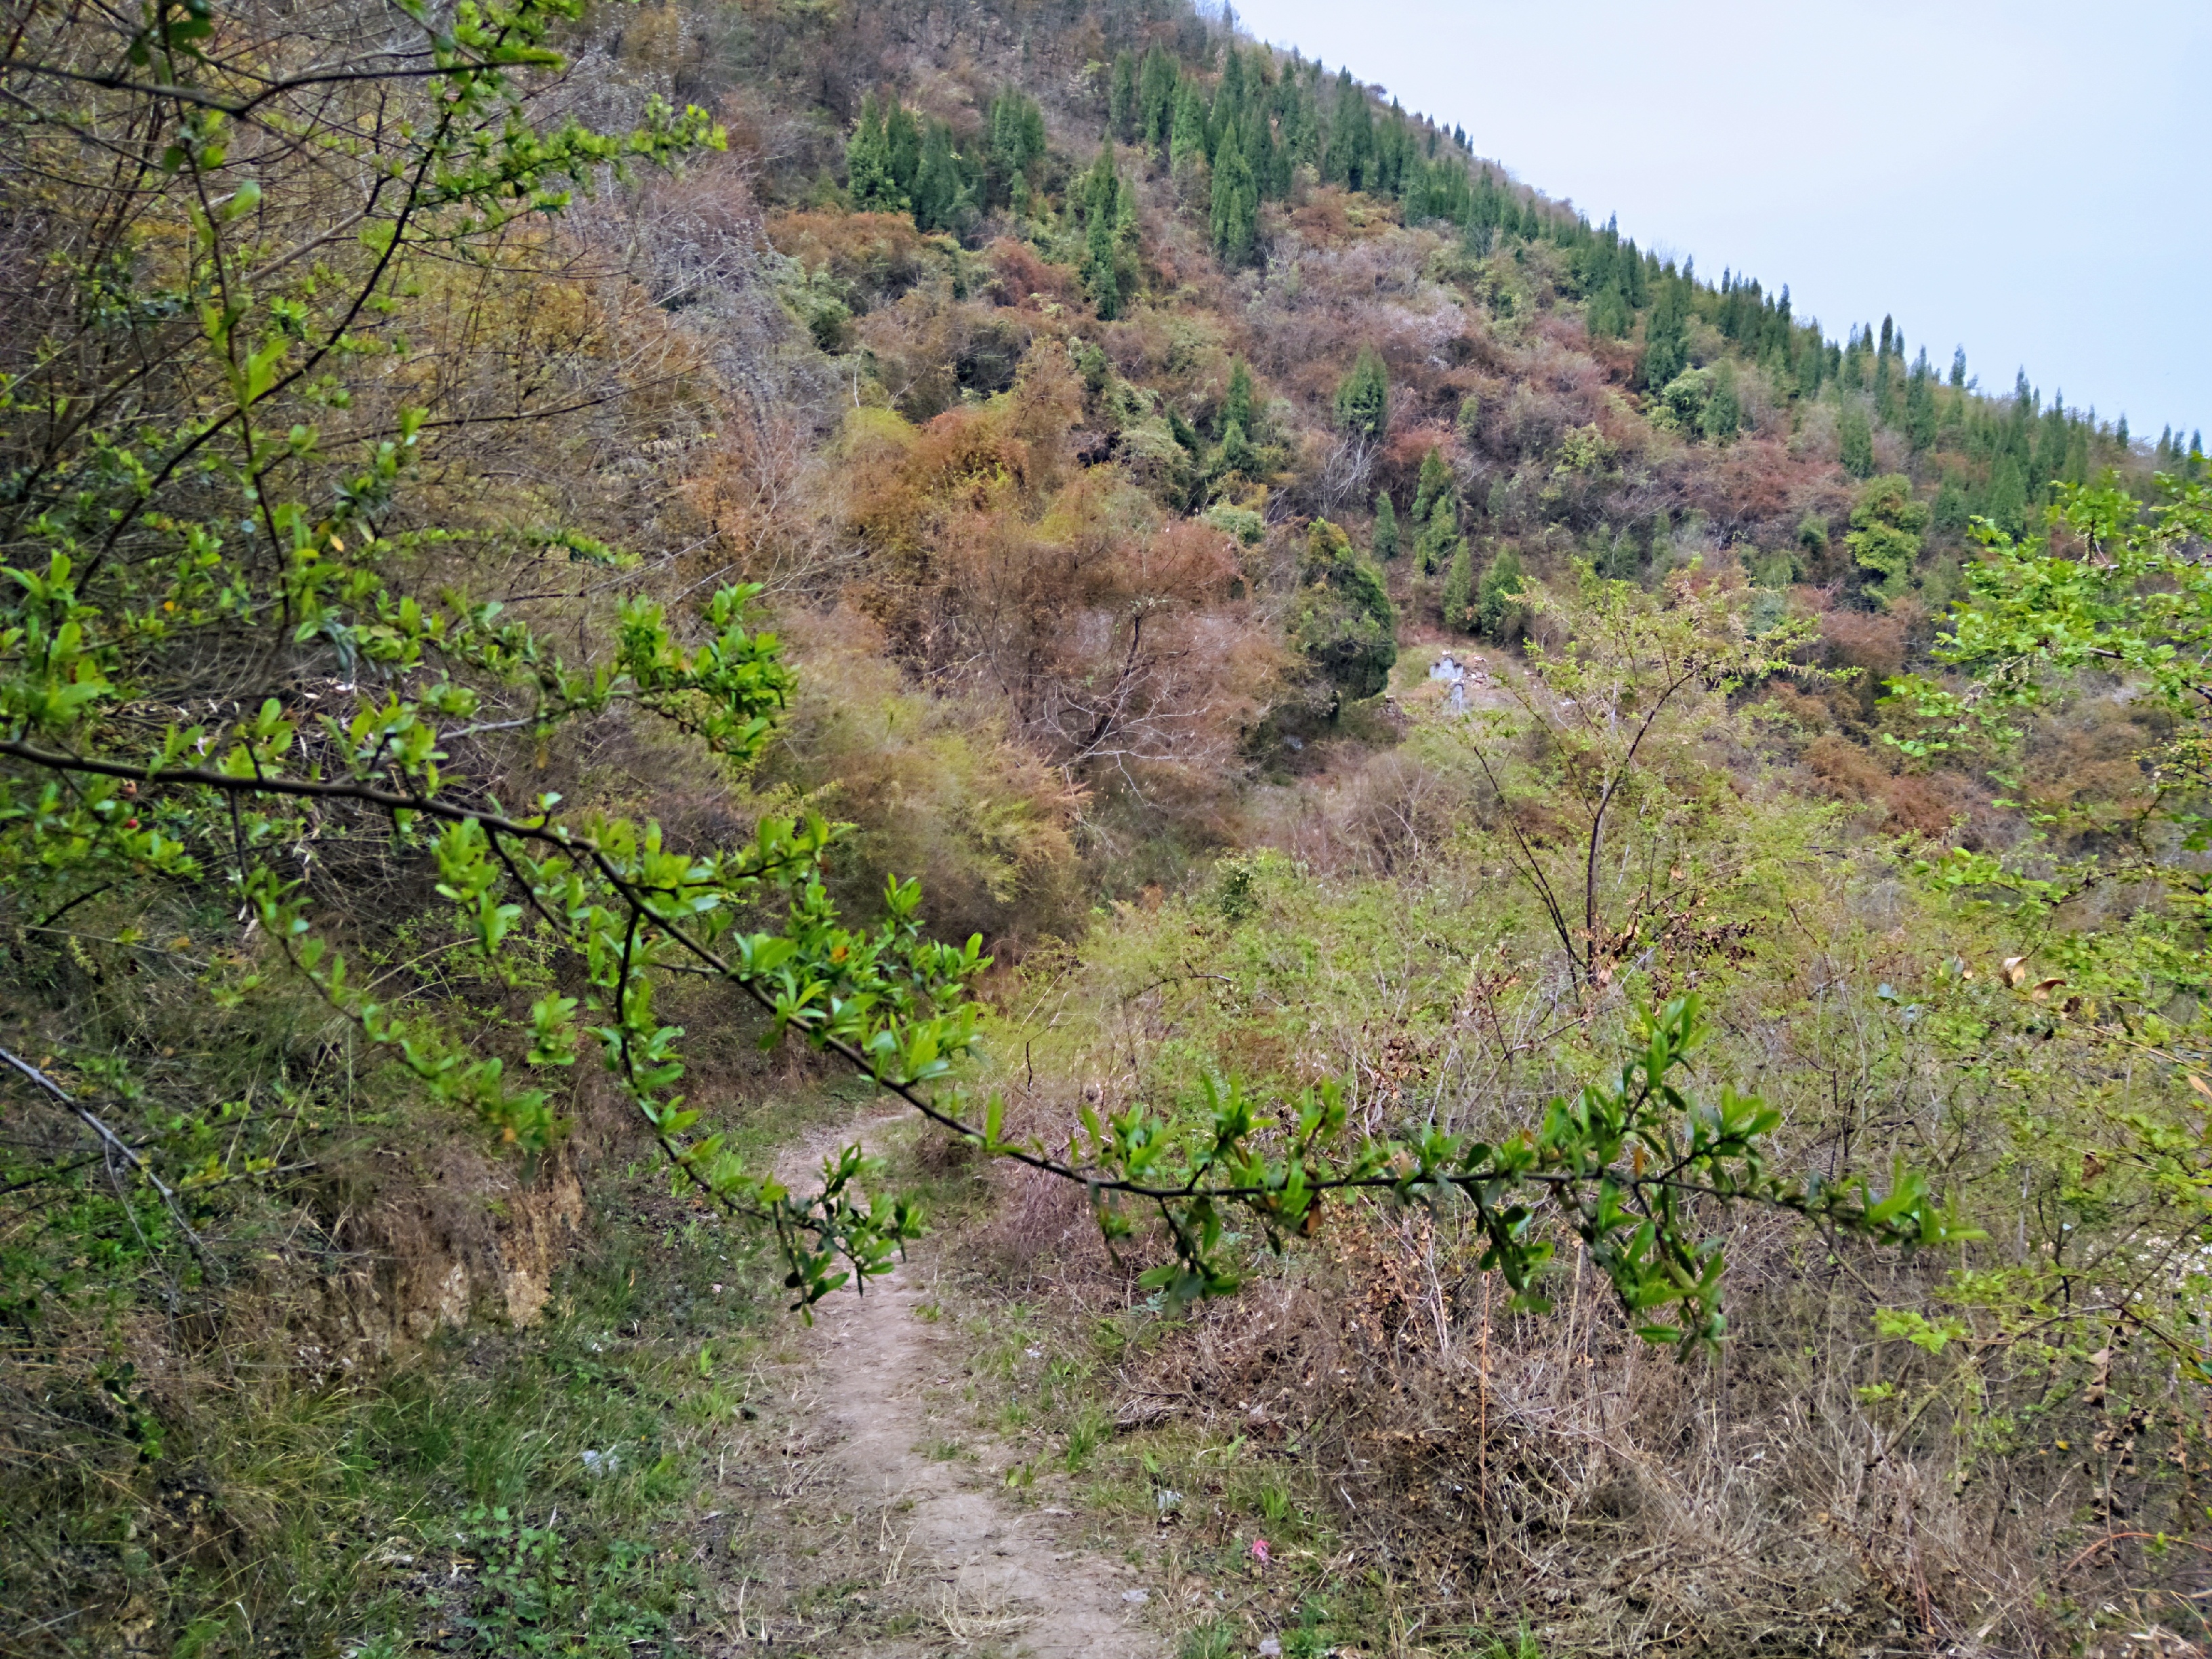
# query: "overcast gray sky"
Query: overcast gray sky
2026,179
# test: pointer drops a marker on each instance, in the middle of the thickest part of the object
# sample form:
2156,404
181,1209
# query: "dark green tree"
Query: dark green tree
1920,406
1721,418
1856,435
1607,318
1017,143
1187,136
905,137
1122,105
2006,504
1435,481
1235,209
1666,337
1499,614
1102,240
1438,534
1458,597
1343,622
938,191
868,174
1362,399
1350,135
1236,401
1386,527
1156,99
1951,512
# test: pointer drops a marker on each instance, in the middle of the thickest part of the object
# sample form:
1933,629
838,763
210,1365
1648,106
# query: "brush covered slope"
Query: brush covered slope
1056,548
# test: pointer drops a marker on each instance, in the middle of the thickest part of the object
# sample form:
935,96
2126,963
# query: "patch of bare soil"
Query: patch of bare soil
850,1524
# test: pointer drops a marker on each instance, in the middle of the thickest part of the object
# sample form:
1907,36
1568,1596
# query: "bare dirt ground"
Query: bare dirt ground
866,1513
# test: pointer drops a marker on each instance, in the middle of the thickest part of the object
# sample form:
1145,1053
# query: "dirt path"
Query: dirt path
981,1569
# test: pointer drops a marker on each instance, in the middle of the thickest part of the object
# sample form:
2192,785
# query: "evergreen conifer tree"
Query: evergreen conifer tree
2007,504
1235,209
1458,597
1101,206
1607,318
1225,122
1269,165
1857,433
868,164
1920,406
1386,527
1362,399
1350,135
1434,544
1237,455
1121,101
1236,401
904,135
1498,614
1958,369
1721,418
1666,337
938,196
1951,511
1187,138
1435,481
1156,99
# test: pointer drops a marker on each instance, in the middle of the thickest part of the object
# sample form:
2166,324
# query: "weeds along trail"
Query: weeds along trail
970,1565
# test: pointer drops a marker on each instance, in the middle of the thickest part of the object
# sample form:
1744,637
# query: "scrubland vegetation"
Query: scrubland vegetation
587,584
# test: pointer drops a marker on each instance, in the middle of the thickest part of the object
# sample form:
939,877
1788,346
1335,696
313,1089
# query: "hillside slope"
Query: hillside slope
477,515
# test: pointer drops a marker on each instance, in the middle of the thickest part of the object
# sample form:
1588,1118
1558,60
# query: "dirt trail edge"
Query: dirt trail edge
1000,1575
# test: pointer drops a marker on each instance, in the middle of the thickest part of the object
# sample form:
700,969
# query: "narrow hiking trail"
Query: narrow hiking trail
877,1382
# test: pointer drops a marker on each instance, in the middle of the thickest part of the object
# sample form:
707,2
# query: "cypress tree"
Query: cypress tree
1723,415
1262,157
938,196
1435,481
1920,406
1236,401
1101,205
1496,607
1666,338
1857,436
2007,504
1434,544
1459,589
1958,369
1951,512
1350,135
1236,452
1156,99
904,138
1187,138
1386,527
1121,101
1607,318
1235,209
1016,141
1362,399
1225,121
868,164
